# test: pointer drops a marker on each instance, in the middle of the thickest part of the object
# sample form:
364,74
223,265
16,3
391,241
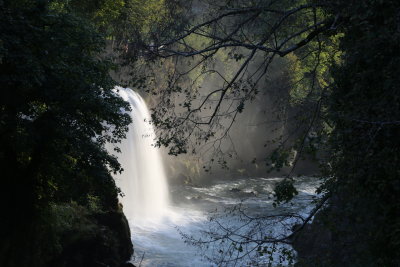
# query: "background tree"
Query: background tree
234,45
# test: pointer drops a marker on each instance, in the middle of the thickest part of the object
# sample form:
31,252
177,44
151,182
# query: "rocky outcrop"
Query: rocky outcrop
99,239
331,239
313,244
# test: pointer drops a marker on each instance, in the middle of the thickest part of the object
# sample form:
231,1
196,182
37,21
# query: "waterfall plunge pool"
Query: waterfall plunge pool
160,217
160,242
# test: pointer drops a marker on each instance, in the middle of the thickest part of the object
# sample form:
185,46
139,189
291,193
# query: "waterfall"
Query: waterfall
143,181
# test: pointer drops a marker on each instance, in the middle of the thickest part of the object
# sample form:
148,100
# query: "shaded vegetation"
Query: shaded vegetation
57,112
364,108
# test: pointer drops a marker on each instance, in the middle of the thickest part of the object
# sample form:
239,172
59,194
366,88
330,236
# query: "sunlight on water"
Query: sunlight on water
143,180
158,215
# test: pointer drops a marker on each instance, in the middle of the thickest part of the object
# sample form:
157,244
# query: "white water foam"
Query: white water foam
143,181
155,220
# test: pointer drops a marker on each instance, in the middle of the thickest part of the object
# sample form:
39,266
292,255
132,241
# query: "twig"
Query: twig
140,263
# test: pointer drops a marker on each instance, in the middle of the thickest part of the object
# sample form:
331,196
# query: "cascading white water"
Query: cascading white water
154,223
143,181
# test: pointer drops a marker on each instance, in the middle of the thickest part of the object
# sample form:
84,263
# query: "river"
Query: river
229,203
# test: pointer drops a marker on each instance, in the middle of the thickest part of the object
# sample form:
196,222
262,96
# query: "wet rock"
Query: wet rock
197,197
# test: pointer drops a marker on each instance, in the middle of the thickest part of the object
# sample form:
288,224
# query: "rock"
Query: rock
312,244
100,239
117,222
328,240
197,197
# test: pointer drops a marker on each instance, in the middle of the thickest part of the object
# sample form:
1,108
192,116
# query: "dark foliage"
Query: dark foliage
365,108
57,111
